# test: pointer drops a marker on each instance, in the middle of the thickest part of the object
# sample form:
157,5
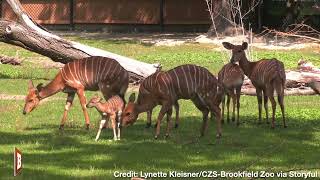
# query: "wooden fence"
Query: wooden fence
162,12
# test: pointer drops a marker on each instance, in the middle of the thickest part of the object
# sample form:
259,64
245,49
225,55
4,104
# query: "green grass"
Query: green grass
73,153
50,153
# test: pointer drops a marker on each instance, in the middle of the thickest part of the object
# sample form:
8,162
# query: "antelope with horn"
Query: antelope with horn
92,73
183,82
231,77
267,76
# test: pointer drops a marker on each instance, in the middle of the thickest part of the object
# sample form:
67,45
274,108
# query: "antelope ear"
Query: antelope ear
132,97
30,84
39,87
228,45
244,45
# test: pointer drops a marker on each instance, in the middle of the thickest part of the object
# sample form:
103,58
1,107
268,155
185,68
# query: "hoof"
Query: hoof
285,126
87,126
148,125
238,124
155,137
167,136
61,127
96,140
222,121
233,119
218,136
176,125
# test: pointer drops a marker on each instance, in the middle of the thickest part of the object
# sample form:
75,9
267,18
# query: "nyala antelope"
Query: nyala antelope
183,82
92,73
148,86
111,108
231,77
266,75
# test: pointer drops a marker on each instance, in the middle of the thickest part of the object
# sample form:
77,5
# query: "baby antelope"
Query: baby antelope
113,109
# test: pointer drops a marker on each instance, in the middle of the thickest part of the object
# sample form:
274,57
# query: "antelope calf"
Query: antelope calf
231,77
266,75
113,109
183,82
92,73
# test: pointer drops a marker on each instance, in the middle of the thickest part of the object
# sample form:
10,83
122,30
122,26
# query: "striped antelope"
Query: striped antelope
231,77
92,73
113,109
266,75
183,82
147,86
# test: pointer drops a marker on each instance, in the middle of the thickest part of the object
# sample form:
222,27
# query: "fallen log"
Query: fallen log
29,35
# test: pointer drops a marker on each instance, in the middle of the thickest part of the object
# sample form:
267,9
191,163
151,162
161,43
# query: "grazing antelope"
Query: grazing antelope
147,86
183,82
266,75
92,73
231,77
113,109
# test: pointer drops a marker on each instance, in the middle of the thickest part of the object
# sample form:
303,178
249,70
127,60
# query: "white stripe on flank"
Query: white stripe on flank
165,82
68,65
185,76
77,80
102,71
92,75
86,72
191,79
168,76
98,72
107,73
202,78
196,74
114,71
175,73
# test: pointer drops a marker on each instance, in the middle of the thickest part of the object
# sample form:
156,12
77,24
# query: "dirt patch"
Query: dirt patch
175,39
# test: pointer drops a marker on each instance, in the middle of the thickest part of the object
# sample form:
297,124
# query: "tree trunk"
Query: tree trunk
29,35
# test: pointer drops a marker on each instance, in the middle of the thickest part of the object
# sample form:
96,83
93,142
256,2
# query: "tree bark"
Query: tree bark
29,35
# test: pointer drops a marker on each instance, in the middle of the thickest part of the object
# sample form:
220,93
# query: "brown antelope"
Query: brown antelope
92,73
147,86
111,108
266,75
231,77
183,82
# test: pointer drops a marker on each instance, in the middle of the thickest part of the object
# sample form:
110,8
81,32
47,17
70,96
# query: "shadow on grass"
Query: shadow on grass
74,153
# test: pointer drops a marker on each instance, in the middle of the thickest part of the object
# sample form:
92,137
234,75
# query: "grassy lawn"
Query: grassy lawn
73,153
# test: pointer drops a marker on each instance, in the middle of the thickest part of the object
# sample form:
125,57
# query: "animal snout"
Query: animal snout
24,112
87,106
